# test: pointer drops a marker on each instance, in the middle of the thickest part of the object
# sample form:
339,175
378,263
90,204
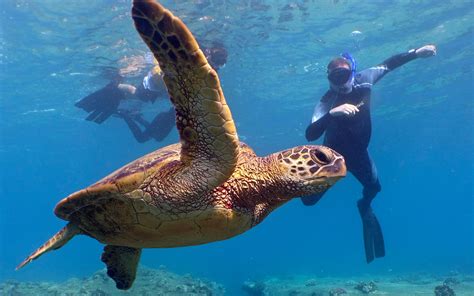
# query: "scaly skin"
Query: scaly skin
145,217
259,185
209,150
209,187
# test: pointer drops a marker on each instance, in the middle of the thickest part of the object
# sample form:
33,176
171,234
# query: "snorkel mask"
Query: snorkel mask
342,78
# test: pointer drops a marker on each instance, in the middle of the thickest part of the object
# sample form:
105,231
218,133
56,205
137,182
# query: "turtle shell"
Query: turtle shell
115,211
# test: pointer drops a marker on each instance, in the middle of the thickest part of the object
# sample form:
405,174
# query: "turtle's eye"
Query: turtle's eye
320,157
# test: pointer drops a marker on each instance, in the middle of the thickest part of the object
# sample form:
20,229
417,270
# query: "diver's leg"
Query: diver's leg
162,125
139,135
363,168
139,118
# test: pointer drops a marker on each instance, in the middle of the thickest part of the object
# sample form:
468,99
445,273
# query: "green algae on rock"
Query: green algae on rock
150,282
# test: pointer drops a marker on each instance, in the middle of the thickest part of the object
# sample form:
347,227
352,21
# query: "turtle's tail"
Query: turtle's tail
56,242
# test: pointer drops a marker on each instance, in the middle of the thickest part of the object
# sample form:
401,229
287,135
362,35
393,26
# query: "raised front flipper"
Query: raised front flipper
121,264
209,140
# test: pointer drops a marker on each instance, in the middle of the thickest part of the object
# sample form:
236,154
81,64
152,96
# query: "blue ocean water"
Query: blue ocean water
52,53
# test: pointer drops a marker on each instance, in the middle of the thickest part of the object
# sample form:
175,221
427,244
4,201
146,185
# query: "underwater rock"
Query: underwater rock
149,282
254,288
337,292
444,290
400,284
289,286
366,288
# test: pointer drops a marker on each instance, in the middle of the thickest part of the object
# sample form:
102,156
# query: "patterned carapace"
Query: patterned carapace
209,187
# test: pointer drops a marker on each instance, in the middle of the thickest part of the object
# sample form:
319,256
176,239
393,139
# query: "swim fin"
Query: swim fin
103,103
372,232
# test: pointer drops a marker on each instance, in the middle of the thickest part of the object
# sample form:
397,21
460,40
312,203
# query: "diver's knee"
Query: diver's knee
370,191
142,139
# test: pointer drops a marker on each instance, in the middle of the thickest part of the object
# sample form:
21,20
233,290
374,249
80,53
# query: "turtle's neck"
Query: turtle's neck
256,188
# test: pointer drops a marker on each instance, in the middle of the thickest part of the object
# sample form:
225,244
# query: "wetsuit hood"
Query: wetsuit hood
341,73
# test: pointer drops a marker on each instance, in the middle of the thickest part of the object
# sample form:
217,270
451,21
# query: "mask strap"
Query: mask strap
353,62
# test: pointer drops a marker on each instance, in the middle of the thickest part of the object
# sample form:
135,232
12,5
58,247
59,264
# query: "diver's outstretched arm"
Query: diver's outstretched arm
374,74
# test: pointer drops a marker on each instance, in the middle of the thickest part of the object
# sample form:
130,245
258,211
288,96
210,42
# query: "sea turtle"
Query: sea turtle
209,187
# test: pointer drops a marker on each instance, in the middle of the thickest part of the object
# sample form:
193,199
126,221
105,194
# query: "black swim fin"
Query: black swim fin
372,232
103,103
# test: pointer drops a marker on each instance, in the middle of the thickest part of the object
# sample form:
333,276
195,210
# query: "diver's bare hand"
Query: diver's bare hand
127,89
426,51
344,110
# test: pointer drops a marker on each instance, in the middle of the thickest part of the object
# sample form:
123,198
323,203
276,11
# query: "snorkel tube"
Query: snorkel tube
353,62
346,87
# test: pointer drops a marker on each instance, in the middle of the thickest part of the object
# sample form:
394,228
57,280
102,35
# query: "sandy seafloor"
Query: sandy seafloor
162,282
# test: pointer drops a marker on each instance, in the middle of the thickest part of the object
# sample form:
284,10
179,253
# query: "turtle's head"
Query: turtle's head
311,169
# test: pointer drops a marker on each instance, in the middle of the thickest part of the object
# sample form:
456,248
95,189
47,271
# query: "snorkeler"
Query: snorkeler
157,129
344,115
105,102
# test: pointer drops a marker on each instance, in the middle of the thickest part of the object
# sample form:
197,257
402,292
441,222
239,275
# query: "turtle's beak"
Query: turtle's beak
335,170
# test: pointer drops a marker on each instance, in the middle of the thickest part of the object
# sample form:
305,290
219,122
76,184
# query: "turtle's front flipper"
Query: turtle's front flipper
121,264
56,242
209,142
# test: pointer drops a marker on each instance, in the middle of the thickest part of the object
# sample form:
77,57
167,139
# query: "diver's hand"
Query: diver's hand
426,51
127,88
344,110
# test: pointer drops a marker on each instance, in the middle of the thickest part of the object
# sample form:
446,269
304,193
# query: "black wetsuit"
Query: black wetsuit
350,136
157,129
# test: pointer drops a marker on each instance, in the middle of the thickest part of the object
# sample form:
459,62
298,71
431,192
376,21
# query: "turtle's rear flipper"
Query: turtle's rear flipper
373,237
56,242
121,264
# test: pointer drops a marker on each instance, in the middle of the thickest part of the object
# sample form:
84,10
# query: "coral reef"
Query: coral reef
421,284
444,290
161,282
149,282
366,287
253,288
337,292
